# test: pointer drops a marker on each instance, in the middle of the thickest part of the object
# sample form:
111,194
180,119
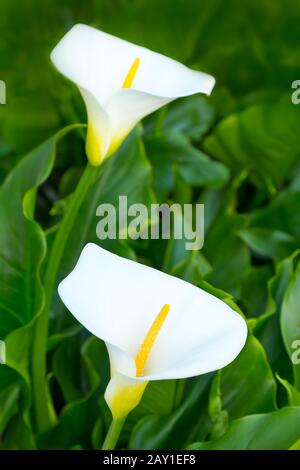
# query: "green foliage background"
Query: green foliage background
237,152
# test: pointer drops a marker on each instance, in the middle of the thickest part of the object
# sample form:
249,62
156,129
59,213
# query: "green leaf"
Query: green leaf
220,294
66,364
293,396
269,243
18,435
241,379
179,259
22,250
295,446
10,387
281,214
81,420
21,239
231,261
257,138
98,435
267,327
290,323
192,269
177,429
172,153
273,431
218,416
96,361
192,116
254,293
74,427
160,398
127,173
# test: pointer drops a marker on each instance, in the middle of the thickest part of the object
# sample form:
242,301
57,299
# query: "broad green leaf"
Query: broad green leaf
98,434
278,283
213,200
219,293
269,243
160,399
192,269
254,293
172,153
66,368
183,257
293,395
96,361
257,138
80,420
281,214
176,430
127,173
225,144
295,446
241,379
231,261
218,416
192,116
19,346
67,331
75,425
18,435
273,431
290,324
21,239
10,387
267,327
22,250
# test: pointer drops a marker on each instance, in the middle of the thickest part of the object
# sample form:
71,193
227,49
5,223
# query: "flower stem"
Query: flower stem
41,400
113,434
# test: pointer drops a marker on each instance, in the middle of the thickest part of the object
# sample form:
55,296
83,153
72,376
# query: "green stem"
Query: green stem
41,399
113,434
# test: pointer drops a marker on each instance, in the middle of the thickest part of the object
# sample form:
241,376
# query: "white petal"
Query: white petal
200,342
161,76
98,134
125,109
95,61
99,63
120,361
118,300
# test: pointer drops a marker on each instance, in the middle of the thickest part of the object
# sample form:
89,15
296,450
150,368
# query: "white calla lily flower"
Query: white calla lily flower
155,326
121,83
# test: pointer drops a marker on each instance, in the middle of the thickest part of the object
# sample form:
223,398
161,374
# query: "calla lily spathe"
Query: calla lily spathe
155,326
120,83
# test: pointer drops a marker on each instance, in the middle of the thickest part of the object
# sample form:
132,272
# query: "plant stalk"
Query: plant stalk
113,434
41,398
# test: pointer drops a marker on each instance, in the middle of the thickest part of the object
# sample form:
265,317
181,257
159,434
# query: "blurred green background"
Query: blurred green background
236,151
252,47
